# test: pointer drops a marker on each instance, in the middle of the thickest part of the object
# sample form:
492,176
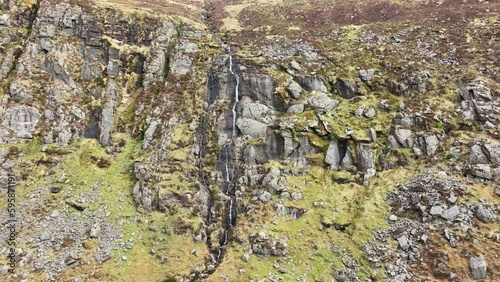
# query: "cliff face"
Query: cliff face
238,141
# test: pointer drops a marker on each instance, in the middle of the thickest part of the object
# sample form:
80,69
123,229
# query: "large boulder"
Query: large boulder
346,89
404,137
22,120
320,101
311,83
294,89
295,109
259,112
252,128
338,155
485,214
478,267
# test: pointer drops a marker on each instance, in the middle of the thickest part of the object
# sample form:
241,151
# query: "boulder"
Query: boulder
366,157
482,171
320,101
346,89
369,112
492,152
265,197
404,137
477,155
485,214
295,65
403,242
258,112
311,83
431,144
451,213
252,128
296,109
294,89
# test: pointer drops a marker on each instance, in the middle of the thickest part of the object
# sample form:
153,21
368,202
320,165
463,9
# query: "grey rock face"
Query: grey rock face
148,135
333,156
251,127
106,125
484,153
366,157
258,112
492,151
320,101
63,138
478,267
182,65
476,90
483,159
478,103
273,148
311,83
260,87
22,120
274,173
477,155
273,181
346,89
397,88
294,89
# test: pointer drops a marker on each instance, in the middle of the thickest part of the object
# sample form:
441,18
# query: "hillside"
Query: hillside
249,140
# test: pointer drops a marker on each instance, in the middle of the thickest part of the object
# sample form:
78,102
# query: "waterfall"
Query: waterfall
226,158
236,94
224,241
230,212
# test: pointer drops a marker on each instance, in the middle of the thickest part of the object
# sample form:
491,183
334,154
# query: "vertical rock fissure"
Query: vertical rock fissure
342,145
